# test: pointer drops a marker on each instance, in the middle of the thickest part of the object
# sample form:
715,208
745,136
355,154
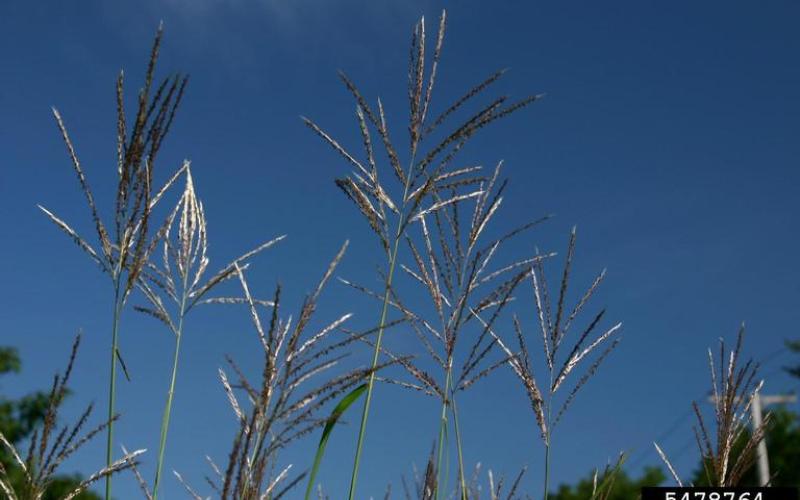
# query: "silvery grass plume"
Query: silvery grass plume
464,286
284,405
603,482
734,390
554,326
423,486
389,208
180,280
125,248
498,490
51,445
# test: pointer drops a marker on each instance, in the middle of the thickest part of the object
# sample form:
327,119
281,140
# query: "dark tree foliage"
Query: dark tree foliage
19,418
624,486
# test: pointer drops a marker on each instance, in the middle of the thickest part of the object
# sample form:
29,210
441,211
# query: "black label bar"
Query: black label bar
713,493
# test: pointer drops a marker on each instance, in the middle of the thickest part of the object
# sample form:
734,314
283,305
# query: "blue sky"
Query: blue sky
668,135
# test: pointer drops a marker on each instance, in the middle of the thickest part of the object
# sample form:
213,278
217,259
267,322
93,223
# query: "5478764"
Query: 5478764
712,495
719,493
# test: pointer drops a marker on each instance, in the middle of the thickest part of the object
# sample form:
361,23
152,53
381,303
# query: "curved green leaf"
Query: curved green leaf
337,412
